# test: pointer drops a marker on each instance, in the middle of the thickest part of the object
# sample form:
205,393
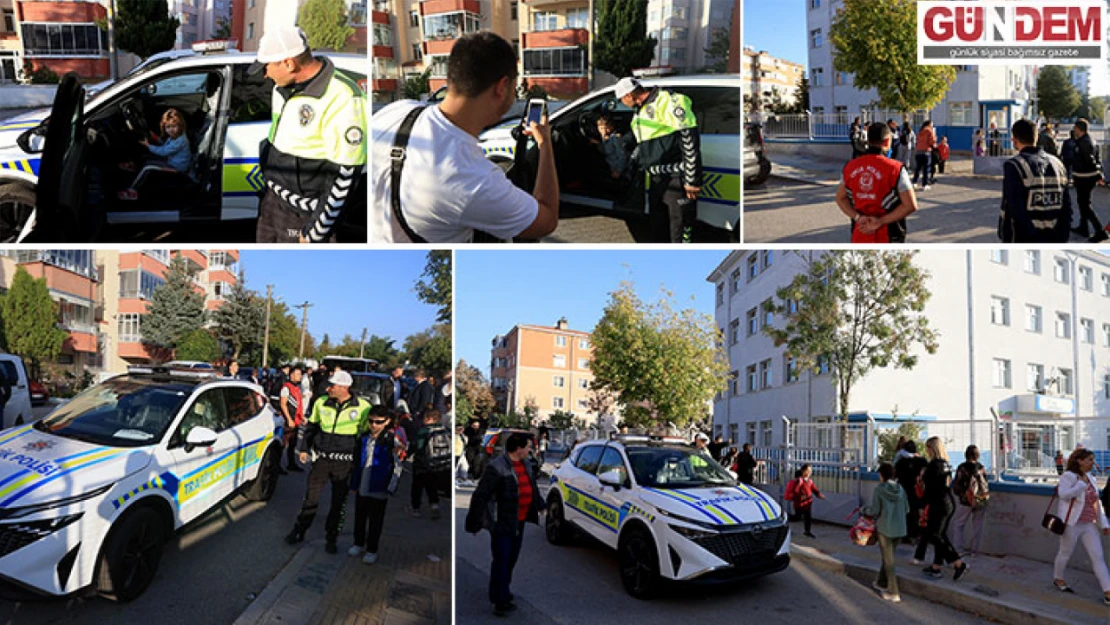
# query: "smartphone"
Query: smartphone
534,112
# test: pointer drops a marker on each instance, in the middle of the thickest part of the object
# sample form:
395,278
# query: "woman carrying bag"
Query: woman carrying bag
941,505
1082,515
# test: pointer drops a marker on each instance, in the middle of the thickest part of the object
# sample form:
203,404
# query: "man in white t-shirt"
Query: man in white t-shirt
448,187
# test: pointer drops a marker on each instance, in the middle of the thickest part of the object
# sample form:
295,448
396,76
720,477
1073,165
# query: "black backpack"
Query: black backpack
436,453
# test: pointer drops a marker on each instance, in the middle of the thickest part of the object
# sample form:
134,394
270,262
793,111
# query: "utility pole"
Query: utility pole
304,326
362,344
590,48
113,56
266,335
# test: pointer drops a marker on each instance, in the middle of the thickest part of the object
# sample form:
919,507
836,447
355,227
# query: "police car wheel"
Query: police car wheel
131,555
263,486
639,564
556,527
17,202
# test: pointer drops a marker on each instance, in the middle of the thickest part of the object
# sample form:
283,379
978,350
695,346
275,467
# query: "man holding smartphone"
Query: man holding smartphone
433,184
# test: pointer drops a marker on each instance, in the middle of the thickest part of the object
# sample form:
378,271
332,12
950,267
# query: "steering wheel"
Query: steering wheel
134,118
587,126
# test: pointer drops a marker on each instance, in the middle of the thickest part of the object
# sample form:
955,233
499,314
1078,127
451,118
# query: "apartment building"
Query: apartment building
554,50
765,75
981,95
684,29
62,36
547,365
102,294
1080,77
1025,333
11,52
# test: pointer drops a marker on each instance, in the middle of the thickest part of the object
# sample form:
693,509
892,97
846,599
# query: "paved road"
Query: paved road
587,225
207,574
959,209
580,584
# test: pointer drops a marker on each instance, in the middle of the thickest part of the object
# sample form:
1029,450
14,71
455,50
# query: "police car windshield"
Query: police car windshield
121,412
676,467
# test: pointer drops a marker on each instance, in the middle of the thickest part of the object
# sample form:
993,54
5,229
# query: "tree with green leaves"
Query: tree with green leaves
856,311
621,42
801,96
663,365
1097,110
472,386
285,335
382,349
223,29
325,347
876,42
30,320
241,320
176,308
888,439
561,420
434,286
325,23
145,27
718,52
1058,98
430,349
417,86
198,345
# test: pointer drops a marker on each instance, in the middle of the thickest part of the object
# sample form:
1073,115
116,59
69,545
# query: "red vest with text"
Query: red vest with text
872,183
295,402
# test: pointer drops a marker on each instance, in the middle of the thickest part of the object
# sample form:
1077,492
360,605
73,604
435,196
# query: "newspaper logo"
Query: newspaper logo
1009,32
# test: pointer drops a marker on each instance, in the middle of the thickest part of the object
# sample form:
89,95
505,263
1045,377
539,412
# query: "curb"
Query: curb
272,593
967,598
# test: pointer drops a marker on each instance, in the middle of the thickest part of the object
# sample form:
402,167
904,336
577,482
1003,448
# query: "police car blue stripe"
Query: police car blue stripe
591,497
241,160
721,508
11,436
750,491
52,478
715,520
721,170
223,457
710,200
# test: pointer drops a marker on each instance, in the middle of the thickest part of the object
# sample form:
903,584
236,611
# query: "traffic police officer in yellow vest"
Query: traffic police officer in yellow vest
669,150
331,435
314,160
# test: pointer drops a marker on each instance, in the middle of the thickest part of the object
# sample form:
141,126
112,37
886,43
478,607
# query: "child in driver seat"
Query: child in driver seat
174,147
612,145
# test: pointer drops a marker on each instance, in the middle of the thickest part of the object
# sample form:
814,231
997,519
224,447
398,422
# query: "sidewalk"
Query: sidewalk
1007,589
825,171
409,585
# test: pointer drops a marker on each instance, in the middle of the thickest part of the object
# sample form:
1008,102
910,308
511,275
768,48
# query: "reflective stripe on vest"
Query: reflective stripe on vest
1044,196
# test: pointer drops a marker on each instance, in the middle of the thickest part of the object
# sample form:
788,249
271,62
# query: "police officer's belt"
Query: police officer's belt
331,455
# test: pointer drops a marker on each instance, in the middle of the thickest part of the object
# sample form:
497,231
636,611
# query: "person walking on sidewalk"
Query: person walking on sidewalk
506,499
940,505
972,492
909,467
431,463
888,507
374,478
1087,174
805,489
1083,514
332,435
923,153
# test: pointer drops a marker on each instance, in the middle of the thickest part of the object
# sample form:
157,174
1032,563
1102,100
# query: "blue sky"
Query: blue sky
495,290
349,289
777,27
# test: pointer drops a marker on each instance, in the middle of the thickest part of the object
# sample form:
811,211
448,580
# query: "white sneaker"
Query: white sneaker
369,558
891,597
925,188
355,550
917,562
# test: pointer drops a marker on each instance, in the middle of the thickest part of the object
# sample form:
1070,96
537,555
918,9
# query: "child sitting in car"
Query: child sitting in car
613,146
175,146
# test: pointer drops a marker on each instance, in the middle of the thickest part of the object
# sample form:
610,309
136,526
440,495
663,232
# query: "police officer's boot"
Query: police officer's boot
295,536
330,545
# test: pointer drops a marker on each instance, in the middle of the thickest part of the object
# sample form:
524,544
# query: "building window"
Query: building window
751,432
675,34
1106,394
1033,318
753,322
765,258
1063,325
1001,373
583,384
560,361
1106,285
383,35
736,280
220,290
417,52
560,341
790,368
558,381
1000,256
63,40
250,4
1034,377
753,266
818,80
1087,330
578,18
734,382
555,62
250,30
753,378
583,363
961,114
583,404
9,21
1086,279
815,4
734,332
138,284
129,328
450,25
822,365
768,433
1060,271
1000,311
557,403
765,374
815,38
1066,381
512,10
545,20
768,313
1106,335
1033,262
720,293
583,343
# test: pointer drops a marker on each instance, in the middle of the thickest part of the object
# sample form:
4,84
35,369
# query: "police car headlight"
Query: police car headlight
691,533
15,513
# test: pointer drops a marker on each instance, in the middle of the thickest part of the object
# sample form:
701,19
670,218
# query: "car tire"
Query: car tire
130,556
262,487
17,201
556,527
639,563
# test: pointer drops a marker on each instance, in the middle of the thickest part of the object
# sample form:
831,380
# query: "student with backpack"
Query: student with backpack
972,492
889,506
374,478
431,463
802,495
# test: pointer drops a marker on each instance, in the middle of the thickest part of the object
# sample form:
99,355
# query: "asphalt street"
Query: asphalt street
959,209
580,584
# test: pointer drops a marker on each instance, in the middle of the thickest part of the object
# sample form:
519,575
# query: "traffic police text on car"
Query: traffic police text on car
314,159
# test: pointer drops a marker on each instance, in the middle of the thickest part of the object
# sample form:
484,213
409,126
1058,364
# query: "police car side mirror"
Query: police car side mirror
199,437
34,140
611,478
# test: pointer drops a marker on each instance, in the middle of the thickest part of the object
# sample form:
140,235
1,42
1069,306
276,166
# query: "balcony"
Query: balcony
562,38
80,341
434,7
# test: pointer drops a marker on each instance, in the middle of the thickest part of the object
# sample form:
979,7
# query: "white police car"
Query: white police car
89,495
584,177
669,511
74,164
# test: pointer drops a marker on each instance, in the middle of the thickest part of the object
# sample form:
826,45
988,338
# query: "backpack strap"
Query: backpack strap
397,163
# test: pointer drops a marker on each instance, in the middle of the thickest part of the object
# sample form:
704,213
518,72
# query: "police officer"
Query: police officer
875,192
1087,174
1036,207
314,159
332,434
669,149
